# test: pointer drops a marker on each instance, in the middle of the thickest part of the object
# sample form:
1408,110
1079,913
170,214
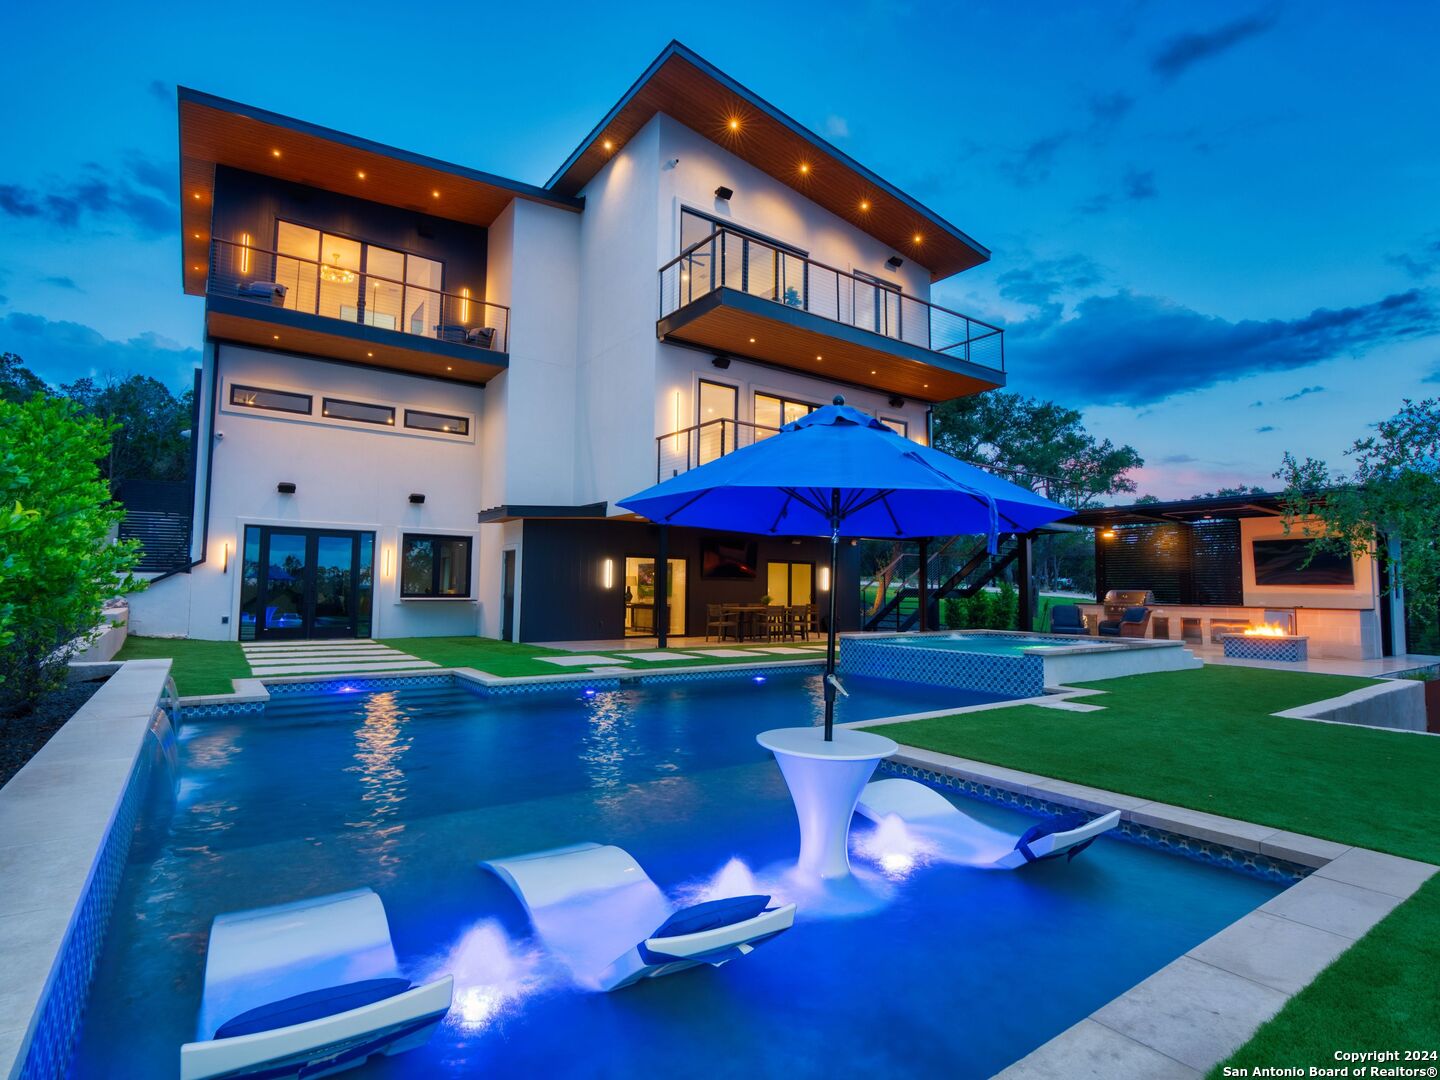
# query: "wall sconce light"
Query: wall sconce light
894,262
1108,534
388,563
723,193
824,579
245,253
225,559
675,425
285,487
721,362
607,573
417,498
464,305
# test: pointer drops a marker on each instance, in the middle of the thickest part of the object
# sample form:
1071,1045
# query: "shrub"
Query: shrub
58,565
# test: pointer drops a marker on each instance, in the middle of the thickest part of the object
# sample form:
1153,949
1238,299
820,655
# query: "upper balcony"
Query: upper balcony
363,311
742,297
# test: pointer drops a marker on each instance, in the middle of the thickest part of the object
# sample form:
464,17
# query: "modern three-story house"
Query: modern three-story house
424,387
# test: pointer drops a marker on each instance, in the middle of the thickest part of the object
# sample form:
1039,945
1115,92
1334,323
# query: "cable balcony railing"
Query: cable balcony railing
727,259
680,451
349,294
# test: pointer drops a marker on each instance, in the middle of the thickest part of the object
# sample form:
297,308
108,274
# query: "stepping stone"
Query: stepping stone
582,660
609,671
304,654
725,652
330,669
659,656
785,650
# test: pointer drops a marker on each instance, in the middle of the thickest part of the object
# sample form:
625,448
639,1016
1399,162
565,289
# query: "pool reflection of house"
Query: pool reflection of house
1222,565
424,387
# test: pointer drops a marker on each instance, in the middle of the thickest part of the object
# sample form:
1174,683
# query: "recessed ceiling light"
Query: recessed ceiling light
752,341
919,238
369,354
872,373
449,369
819,357
734,124
608,145
864,204
360,173
804,167
197,268
275,152
435,194
197,194
275,336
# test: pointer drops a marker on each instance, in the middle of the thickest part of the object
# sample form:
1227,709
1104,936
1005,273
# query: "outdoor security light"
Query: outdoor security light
897,402
723,193
285,487
721,362
894,262
417,498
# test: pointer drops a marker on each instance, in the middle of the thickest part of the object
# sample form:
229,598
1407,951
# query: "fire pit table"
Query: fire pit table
1286,648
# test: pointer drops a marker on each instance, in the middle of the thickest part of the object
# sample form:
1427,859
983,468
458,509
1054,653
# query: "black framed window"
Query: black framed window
340,409
258,397
429,421
900,427
772,411
435,567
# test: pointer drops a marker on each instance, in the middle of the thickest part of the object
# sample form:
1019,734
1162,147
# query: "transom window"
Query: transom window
346,279
772,411
435,567
360,411
429,421
258,397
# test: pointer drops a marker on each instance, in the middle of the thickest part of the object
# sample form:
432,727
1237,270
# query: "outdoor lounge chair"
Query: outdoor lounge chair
272,292
1131,624
961,838
1067,619
599,912
307,989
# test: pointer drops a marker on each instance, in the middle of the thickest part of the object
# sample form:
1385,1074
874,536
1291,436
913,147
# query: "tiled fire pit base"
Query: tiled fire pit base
1289,649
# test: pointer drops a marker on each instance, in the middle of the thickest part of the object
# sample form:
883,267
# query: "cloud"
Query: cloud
161,91
1421,263
1178,459
1043,281
1139,184
1131,349
141,194
61,281
1107,110
1183,51
1304,391
1034,161
1433,377
61,352
1263,430
836,127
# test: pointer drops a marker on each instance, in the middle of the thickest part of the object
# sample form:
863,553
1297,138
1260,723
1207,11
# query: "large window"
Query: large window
346,279
775,412
900,427
435,567
745,260
790,583
718,405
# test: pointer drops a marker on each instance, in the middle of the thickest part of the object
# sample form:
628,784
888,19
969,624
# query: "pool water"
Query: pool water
923,969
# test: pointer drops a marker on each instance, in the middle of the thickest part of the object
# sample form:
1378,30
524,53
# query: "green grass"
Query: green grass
1380,995
200,667
1205,739
511,660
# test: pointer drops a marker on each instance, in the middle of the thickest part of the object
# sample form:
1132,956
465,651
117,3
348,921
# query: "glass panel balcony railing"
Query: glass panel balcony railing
732,260
348,294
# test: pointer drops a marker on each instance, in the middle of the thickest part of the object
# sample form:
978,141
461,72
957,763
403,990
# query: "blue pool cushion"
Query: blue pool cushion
312,1005
711,914
1062,823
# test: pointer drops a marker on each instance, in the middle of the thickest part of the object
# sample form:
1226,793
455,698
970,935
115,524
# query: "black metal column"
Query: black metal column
925,585
662,587
1024,576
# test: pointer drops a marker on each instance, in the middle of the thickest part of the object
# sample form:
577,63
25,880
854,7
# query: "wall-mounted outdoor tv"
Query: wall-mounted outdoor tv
729,559
1282,562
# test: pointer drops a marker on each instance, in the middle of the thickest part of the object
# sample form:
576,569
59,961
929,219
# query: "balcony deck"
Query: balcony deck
261,298
740,297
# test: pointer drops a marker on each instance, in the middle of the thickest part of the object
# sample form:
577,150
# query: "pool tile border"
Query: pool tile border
1202,1007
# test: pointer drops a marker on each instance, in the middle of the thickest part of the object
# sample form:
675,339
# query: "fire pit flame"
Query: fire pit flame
1266,630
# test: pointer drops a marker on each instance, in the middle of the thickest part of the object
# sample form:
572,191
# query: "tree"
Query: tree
59,566
148,420
1045,447
1232,492
1394,491
17,382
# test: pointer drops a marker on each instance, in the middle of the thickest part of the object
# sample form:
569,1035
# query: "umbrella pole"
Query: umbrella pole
830,639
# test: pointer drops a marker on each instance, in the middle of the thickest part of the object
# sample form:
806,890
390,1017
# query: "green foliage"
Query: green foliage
57,566
997,609
17,382
147,420
1394,488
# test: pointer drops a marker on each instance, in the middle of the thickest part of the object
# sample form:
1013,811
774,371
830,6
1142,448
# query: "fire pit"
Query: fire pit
1268,642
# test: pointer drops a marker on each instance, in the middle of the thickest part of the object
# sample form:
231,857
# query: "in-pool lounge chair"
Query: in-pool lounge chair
963,839
1067,619
307,989
599,912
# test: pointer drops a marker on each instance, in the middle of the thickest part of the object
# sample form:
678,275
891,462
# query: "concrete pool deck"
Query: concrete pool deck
1202,1007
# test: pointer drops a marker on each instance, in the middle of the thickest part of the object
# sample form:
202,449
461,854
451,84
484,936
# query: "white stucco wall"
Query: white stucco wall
351,477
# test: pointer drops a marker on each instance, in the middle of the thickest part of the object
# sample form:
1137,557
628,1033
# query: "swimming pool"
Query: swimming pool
1006,663
935,968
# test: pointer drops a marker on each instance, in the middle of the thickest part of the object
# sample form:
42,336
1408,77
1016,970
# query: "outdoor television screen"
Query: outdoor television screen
1282,562
733,560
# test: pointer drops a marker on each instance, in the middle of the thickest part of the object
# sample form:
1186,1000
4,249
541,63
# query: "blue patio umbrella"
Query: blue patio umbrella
839,471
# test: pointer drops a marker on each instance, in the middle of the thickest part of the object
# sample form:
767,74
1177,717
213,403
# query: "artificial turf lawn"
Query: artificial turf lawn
1382,994
1205,739
200,667
512,660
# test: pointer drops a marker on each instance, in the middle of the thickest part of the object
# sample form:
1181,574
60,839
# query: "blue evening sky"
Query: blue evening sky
1215,227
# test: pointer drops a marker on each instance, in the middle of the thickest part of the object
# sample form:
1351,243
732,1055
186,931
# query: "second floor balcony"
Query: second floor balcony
742,297
355,307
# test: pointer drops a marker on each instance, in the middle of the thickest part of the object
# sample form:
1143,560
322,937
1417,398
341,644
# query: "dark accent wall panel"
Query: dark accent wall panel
562,597
247,202
1195,563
